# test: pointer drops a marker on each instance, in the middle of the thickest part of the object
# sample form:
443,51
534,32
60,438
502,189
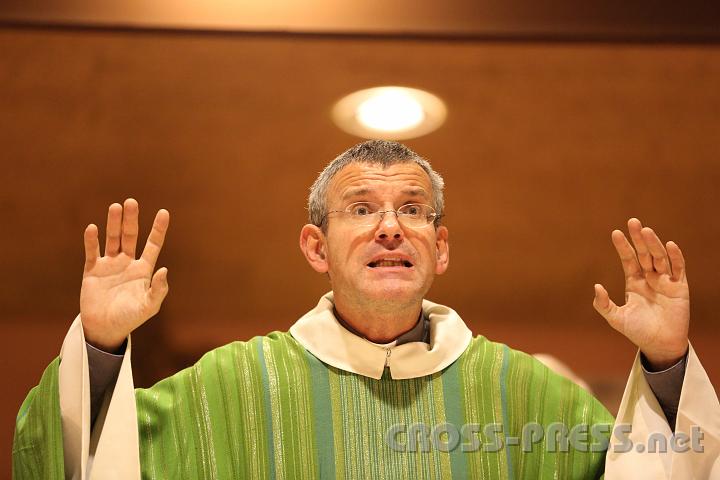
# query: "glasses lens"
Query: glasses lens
363,213
367,214
416,215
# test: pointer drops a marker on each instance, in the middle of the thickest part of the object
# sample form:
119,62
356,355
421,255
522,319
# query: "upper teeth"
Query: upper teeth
387,262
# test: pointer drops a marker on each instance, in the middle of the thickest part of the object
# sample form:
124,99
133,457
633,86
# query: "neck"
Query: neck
378,325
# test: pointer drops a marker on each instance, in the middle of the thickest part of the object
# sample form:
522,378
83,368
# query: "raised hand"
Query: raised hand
656,314
119,292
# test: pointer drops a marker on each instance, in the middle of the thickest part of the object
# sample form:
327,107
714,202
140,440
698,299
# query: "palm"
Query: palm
119,293
115,291
656,313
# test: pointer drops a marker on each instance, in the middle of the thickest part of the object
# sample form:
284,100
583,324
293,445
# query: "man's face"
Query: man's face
355,254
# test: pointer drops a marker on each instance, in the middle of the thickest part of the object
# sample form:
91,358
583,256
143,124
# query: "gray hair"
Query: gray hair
373,152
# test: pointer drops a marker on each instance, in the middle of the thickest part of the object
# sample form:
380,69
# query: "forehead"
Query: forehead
374,179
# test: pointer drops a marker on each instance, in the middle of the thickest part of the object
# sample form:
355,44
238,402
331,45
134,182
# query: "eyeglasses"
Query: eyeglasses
368,214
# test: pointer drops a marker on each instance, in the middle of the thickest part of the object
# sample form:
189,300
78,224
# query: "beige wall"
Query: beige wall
547,148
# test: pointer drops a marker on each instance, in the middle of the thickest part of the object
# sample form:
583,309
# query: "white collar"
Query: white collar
323,336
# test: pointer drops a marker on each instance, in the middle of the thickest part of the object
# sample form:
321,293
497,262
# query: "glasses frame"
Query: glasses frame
380,214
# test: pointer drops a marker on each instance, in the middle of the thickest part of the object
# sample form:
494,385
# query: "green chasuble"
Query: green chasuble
267,408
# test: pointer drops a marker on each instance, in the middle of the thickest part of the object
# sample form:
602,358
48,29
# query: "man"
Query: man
374,382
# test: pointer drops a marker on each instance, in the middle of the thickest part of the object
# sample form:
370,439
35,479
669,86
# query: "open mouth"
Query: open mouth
390,263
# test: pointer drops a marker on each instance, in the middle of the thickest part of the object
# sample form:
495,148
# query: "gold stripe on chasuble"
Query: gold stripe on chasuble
202,417
521,407
254,460
291,407
480,373
337,420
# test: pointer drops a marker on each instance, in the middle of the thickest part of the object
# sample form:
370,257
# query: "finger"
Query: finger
113,229
677,261
605,306
643,254
158,288
657,250
92,246
129,227
156,238
629,260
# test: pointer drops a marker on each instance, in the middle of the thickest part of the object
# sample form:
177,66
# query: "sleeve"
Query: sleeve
667,386
53,438
111,450
643,445
103,368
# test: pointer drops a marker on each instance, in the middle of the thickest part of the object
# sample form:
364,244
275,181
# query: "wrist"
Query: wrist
119,353
112,345
659,361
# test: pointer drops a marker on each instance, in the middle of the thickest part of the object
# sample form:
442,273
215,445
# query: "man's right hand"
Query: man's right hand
119,293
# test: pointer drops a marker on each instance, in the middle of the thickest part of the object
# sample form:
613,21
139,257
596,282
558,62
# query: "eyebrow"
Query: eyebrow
360,191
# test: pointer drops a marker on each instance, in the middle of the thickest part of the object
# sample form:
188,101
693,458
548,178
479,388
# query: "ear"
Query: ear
442,247
312,244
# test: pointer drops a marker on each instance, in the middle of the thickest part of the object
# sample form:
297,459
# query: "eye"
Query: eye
360,209
412,210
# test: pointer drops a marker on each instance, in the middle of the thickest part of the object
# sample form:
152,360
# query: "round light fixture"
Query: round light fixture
391,113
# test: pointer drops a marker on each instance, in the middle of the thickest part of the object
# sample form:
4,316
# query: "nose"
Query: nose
389,229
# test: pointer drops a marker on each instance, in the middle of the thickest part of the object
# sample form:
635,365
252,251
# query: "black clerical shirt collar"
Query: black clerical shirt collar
419,333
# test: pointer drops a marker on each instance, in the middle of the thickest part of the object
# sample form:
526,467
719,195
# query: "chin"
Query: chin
391,293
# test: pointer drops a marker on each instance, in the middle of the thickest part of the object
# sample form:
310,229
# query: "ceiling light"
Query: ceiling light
395,113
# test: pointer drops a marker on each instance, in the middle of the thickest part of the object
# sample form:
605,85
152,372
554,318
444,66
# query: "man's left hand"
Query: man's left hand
656,314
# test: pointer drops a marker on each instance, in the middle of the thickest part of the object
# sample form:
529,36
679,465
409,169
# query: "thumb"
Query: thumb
606,307
158,287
